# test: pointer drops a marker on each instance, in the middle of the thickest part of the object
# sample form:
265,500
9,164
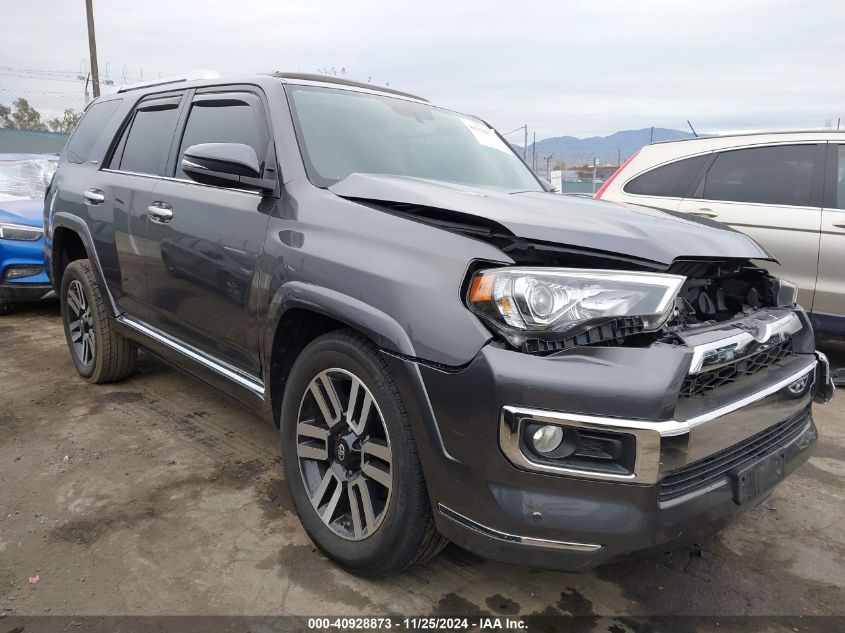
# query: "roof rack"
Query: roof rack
756,133
194,75
343,82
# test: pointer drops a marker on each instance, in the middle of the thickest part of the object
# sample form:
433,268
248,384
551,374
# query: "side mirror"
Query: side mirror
225,165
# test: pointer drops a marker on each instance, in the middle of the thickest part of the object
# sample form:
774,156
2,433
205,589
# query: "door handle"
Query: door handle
93,196
705,213
160,212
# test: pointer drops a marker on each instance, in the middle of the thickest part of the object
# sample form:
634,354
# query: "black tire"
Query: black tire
6,308
406,535
113,357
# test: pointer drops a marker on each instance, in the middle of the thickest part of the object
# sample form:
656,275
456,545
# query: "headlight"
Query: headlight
554,303
20,232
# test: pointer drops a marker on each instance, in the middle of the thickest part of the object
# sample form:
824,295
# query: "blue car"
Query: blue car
23,179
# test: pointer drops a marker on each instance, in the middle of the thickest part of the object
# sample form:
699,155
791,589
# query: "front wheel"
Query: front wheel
99,353
351,461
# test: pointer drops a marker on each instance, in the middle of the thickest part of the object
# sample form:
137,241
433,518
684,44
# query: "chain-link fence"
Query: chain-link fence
37,122
577,173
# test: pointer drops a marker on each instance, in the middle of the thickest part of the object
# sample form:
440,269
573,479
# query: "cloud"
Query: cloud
562,68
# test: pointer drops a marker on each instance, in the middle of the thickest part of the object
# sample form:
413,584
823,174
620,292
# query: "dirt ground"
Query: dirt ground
160,496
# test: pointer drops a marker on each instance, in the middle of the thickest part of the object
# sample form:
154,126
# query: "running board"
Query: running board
237,376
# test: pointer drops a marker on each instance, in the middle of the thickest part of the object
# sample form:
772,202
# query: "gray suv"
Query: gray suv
449,351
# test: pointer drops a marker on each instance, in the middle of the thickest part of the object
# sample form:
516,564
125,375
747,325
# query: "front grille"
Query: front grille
710,469
699,384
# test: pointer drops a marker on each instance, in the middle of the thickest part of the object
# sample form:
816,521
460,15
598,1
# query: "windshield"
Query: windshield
342,132
25,178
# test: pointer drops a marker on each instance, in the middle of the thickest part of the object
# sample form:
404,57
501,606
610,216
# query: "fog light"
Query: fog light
16,272
547,438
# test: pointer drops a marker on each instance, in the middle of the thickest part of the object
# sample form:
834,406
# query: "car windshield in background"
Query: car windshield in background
27,178
342,132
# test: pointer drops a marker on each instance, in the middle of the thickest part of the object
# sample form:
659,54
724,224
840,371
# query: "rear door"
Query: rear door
773,194
830,289
201,261
137,162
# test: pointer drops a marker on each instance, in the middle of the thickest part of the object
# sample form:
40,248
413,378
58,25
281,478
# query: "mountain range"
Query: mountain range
606,149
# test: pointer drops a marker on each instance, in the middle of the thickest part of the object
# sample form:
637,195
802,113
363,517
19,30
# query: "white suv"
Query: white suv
786,190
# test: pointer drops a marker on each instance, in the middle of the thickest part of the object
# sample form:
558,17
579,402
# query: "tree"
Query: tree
24,116
65,123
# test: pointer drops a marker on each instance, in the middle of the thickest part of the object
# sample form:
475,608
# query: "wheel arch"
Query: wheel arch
71,240
301,312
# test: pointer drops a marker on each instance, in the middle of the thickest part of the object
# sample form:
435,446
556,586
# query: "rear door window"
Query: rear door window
840,178
781,175
225,118
96,119
671,181
146,142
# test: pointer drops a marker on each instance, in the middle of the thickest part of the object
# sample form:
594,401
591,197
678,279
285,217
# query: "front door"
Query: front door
204,241
773,194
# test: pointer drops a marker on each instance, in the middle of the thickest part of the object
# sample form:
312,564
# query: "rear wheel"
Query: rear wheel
351,460
99,353
6,308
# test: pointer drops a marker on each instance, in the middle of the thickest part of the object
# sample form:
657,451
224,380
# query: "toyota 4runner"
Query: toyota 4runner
450,350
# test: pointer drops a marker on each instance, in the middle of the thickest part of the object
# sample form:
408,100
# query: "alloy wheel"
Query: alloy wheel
80,324
344,454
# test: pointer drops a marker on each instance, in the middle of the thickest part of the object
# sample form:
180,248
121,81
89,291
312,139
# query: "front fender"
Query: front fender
378,326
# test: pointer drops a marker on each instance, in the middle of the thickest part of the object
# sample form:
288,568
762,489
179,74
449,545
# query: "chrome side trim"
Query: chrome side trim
648,433
498,535
224,369
733,347
182,180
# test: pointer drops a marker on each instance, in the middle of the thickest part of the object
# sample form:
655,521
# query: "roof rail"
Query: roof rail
329,79
194,75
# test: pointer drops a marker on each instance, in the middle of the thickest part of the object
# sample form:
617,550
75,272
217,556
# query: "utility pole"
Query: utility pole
534,154
92,48
594,175
525,145
618,157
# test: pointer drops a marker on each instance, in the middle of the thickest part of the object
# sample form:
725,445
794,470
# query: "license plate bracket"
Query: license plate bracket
754,478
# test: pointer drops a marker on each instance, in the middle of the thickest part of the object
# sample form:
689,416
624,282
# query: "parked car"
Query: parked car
786,190
23,179
450,352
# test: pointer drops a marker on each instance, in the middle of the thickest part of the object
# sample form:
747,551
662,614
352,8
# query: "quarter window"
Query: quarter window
229,118
840,179
671,181
96,119
147,143
781,175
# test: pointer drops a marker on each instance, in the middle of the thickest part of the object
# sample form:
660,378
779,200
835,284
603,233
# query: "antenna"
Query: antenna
694,133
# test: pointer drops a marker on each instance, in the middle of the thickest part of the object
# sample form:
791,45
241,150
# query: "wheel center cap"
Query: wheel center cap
346,453
341,452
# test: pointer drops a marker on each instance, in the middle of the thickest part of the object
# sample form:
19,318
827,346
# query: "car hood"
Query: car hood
583,223
28,211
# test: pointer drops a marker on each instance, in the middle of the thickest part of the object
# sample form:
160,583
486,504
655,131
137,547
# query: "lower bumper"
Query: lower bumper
620,528
21,293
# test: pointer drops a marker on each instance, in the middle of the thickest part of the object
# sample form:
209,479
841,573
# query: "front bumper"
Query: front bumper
491,500
24,292
34,287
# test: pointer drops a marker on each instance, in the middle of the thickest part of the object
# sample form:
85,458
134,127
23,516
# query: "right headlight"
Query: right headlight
554,303
20,232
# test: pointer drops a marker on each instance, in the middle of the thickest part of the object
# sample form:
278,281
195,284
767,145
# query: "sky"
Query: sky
561,67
